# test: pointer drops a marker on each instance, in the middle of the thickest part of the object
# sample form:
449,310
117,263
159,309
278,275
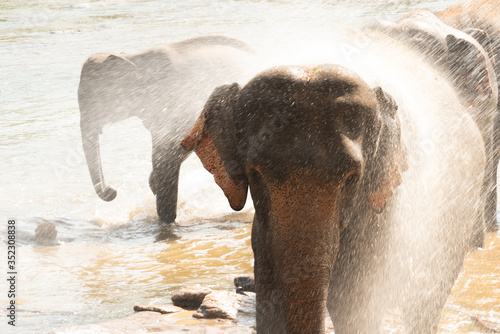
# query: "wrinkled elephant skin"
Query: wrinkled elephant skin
339,184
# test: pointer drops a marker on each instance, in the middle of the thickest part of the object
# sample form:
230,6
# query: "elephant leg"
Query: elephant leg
351,307
430,270
423,316
166,194
355,302
423,301
422,310
485,214
164,178
486,218
491,201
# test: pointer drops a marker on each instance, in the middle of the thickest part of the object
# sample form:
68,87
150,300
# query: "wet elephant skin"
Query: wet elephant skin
323,155
465,58
482,19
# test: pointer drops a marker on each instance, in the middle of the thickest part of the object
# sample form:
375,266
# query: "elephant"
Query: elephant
482,19
352,213
470,70
164,87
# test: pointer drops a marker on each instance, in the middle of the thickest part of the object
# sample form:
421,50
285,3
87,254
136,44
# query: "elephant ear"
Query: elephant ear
389,159
483,38
119,65
213,138
470,68
119,76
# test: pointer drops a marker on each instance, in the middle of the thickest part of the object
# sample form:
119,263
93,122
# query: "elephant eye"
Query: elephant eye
350,118
351,127
351,180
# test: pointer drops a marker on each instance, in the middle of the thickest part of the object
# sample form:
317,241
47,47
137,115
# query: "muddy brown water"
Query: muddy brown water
113,255
474,304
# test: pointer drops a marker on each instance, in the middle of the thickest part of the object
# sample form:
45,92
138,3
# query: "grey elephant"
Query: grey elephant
165,87
352,214
482,19
469,67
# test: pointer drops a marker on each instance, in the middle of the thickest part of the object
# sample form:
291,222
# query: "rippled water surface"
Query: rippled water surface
114,254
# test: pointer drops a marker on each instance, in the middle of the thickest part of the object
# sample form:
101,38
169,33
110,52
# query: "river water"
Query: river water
108,257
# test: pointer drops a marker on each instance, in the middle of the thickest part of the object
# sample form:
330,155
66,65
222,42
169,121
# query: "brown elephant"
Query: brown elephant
469,67
165,87
350,214
482,19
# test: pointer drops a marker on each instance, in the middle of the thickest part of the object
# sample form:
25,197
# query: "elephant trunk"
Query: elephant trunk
305,238
90,140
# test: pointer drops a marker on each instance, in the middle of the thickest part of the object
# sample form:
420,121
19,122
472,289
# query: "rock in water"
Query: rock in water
191,297
246,283
219,304
163,309
228,305
246,309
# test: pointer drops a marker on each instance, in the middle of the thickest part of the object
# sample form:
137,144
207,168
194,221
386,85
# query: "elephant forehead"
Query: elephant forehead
310,74
310,89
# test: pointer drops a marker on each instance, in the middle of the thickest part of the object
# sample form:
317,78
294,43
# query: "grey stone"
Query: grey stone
246,309
247,283
191,297
239,310
163,309
219,304
228,305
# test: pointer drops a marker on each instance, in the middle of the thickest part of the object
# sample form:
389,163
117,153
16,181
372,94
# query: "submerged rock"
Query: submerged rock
191,297
154,322
163,309
491,327
142,322
45,234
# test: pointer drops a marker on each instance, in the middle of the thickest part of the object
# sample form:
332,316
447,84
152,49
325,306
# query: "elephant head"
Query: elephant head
107,82
312,144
